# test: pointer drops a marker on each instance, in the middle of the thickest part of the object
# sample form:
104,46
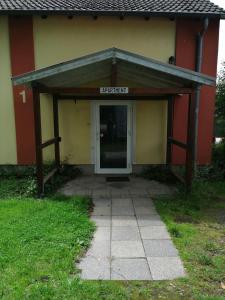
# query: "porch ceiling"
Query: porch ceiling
97,66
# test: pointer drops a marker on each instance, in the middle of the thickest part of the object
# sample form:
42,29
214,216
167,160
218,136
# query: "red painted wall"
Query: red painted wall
186,31
22,60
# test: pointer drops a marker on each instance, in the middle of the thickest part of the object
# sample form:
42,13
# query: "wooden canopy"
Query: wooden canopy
97,66
155,81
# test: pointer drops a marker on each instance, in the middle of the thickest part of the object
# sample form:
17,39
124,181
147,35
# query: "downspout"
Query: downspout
198,67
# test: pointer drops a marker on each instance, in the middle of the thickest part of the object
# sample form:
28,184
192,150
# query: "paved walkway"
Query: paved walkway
131,242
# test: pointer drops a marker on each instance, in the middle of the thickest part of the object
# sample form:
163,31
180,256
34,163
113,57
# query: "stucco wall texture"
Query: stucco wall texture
7,122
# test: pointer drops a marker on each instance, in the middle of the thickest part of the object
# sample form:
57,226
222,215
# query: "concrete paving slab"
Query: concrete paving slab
95,186
101,193
122,210
99,249
149,220
145,210
103,221
101,211
101,202
125,233
149,206
139,201
159,248
93,268
166,268
138,192
124,221
121,202
119,185
127,249
154,233
102,234
130,269
119,194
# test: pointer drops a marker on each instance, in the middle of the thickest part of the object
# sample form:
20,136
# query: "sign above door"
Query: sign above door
114,90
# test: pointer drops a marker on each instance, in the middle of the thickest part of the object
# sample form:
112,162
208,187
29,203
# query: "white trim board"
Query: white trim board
95,141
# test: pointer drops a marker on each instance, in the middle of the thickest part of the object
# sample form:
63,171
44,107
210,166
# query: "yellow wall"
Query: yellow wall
58,39
151,130
75,130
47,125
7,123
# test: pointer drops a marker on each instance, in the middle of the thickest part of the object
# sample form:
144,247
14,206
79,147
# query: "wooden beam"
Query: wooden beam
114,73
49,175
178,176
49,142
160,91
169,130
112,97
56,130
38,142
177,143
90,92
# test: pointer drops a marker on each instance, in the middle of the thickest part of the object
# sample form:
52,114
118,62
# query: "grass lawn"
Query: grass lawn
40,240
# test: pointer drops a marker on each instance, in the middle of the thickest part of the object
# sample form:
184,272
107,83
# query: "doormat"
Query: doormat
117,178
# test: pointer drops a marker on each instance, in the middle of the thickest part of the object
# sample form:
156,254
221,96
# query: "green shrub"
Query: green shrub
211,172
218,154
20,181
14,187
67,172
215,171
159,173
12,171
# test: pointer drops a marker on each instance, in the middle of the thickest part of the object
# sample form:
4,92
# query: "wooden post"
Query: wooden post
38,141
56,130
169,129
114,73
190,154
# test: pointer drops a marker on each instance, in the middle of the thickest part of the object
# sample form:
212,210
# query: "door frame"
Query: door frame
96,140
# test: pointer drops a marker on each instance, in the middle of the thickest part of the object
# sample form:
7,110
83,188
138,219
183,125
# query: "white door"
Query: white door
113,137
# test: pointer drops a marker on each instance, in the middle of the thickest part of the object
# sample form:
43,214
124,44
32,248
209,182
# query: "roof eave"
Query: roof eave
111,13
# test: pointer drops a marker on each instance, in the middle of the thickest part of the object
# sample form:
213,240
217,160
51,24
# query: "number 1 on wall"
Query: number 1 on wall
23,95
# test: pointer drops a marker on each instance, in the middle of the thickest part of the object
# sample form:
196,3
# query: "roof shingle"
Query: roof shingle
114,7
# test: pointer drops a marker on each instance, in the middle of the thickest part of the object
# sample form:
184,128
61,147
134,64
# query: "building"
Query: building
157,55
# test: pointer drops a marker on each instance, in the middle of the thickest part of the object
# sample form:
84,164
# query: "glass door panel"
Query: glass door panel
113,136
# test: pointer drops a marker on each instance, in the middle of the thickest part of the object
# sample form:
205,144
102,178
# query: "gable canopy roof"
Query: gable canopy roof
136,68
173,8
